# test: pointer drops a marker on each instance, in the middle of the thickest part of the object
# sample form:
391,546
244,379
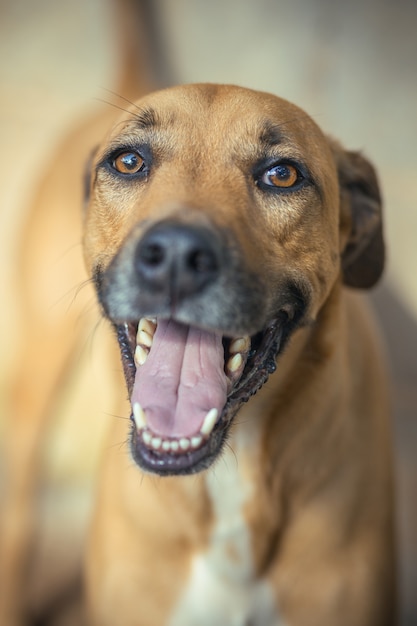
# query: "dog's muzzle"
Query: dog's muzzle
194,337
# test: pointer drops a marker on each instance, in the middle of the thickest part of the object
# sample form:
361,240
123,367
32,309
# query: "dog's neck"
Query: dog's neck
247,485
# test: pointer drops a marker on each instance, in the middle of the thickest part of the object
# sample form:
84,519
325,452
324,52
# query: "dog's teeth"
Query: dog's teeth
146,331
141,354
156,443
170,445
209,422
148,325
139,416
144,339
184,443
147,437
196,441
234,363
241,344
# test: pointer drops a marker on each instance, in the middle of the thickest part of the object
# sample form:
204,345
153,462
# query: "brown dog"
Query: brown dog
220,226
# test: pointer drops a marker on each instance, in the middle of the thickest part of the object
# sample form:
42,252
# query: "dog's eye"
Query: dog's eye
283,176
128,163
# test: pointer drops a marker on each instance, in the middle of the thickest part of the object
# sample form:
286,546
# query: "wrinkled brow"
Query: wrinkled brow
270,135
146,119
150,119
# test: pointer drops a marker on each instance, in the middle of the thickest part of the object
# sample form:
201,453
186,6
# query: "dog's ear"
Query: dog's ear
363,252
87,178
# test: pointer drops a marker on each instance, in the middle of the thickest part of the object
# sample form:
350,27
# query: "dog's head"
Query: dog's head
218,220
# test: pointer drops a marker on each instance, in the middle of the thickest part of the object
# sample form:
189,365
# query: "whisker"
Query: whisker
70,248
119,417
298,117
89,341
119,445
118,95
78,288
120,108
75,291
238,422
227,444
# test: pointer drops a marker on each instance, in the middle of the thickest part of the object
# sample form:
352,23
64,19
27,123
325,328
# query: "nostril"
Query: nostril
152,254
202,262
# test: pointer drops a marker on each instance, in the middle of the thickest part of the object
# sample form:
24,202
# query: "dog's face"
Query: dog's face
218,220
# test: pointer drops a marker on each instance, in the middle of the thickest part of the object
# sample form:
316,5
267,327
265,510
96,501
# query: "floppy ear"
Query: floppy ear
363,251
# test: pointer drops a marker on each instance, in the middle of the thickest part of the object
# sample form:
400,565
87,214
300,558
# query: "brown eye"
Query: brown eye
283,176
128,163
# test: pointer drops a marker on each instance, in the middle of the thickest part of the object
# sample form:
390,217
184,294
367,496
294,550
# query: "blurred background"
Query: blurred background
352,66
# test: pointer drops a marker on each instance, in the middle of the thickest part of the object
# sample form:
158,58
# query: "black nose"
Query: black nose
177,259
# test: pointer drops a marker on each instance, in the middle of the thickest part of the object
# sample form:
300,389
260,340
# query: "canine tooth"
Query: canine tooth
175,446
147,325
144,339
139,416
209,422
234,363
184,443
146,331
196,441
241,344
146,437
140,355
156,443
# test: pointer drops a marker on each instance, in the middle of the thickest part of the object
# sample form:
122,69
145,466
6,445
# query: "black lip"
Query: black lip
166,464
260,365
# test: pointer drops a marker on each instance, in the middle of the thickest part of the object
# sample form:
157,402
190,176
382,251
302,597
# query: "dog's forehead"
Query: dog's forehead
228,111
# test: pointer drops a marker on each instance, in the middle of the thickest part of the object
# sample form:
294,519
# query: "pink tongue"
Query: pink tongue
182,379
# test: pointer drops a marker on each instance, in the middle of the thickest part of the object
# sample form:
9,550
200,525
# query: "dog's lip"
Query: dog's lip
260,364
189,462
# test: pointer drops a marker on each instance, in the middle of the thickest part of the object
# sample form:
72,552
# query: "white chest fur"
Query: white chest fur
222,588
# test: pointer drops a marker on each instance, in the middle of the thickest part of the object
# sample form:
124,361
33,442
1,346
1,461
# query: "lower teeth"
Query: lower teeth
170,445
176,445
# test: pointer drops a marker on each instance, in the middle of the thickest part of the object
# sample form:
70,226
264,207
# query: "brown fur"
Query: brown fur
316,444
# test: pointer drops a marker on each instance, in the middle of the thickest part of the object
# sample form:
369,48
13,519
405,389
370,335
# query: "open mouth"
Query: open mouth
185,386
